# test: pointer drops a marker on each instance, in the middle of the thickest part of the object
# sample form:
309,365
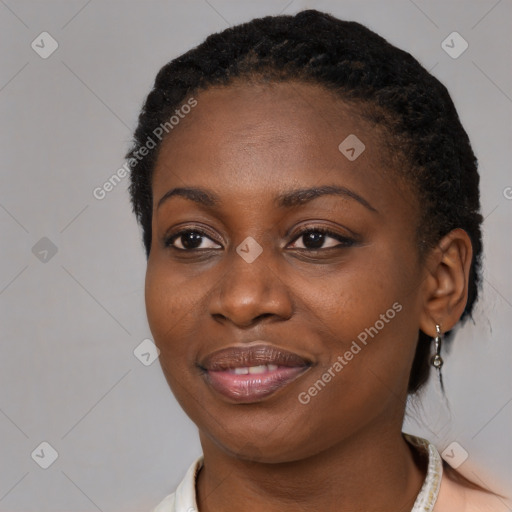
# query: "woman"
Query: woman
310,211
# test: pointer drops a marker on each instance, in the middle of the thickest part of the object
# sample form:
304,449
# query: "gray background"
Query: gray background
70,321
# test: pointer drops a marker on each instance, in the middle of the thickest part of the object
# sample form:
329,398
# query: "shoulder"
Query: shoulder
457,494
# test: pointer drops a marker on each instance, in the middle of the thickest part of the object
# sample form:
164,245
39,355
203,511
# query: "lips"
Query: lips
251,373
255,355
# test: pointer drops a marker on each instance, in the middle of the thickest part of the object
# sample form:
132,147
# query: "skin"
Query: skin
247,143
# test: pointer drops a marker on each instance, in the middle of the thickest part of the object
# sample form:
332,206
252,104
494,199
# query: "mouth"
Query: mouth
251,373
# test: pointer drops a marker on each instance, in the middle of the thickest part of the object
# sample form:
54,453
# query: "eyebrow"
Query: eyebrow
288,199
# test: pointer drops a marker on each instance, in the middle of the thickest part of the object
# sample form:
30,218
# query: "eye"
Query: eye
314,238
189,240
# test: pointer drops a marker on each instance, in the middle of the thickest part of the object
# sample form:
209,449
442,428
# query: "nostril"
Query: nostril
264,315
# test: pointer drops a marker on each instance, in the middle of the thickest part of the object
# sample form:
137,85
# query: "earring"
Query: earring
437,360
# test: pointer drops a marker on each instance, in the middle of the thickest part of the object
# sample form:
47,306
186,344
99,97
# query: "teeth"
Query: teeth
262,368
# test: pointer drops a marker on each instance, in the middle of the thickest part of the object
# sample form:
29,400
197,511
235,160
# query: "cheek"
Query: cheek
352,297
156,298
368,311
168,303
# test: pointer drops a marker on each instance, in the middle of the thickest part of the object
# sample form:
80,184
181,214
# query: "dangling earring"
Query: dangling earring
437,360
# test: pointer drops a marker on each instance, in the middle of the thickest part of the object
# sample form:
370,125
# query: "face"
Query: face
286,321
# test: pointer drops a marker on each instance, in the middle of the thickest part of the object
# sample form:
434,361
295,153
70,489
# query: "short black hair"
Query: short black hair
391,89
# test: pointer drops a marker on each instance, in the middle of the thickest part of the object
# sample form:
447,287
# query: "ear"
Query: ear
445,290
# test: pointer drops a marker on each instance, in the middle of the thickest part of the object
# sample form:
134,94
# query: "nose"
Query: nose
249,292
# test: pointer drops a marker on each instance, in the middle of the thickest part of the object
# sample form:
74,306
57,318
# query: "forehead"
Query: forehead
250,139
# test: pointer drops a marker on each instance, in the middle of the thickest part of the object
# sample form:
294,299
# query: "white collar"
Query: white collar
184,499
427,497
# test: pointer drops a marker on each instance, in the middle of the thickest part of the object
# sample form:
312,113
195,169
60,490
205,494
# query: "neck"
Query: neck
374,470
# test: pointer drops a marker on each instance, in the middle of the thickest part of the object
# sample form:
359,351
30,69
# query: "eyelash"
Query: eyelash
344,241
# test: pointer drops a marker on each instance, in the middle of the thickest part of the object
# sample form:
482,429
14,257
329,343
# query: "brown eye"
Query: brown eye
314,239
189,240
